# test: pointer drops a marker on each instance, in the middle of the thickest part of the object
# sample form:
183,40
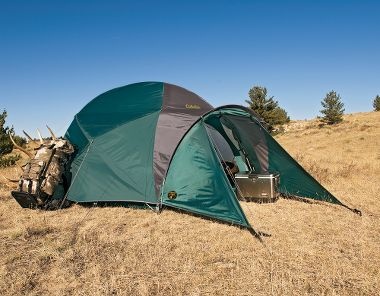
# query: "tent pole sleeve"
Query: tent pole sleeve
161,195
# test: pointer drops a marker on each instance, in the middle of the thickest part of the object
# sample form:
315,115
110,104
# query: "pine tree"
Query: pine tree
266,107
332,108
376,103
6,145
280,116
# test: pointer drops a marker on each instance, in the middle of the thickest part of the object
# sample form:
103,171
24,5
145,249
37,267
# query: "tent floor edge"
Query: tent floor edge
118,204
256,234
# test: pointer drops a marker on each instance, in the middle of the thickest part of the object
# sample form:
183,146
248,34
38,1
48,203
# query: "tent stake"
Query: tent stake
256,234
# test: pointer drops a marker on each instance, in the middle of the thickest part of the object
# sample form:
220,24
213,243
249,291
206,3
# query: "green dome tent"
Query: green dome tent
144,141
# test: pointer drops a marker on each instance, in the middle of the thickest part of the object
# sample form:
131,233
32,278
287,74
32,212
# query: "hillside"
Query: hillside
314,249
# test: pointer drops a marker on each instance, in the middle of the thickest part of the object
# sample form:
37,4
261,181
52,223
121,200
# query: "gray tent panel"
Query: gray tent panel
180,109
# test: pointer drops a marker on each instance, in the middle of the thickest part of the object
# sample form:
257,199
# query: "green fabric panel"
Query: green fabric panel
77,136
294,180
119,106
195,174
118,165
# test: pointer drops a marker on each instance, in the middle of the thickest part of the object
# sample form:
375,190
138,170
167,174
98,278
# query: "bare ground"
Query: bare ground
314,249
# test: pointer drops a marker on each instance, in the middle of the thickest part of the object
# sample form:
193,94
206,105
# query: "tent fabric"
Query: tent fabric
180,109
251,136
125,139
197,177
118,165
295,180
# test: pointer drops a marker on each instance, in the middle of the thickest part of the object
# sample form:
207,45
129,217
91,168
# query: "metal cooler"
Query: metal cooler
257,187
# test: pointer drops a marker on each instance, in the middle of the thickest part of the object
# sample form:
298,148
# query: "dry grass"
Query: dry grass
314,249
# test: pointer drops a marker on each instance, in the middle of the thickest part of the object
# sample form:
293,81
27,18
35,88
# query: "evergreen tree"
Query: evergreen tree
332,108
6,145
376,103
280,116
266,107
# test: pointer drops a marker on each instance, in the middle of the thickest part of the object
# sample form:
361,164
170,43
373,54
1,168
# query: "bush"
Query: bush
6,145
10,160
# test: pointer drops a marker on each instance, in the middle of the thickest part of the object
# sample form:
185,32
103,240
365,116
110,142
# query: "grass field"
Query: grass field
314,249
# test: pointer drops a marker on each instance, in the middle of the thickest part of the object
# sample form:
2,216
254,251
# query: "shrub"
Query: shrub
9,160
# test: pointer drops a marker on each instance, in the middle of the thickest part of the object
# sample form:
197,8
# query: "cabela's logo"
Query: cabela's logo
192,106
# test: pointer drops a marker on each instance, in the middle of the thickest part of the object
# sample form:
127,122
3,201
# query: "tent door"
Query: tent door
247,184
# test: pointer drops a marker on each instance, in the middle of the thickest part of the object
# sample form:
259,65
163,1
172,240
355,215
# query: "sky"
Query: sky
56,56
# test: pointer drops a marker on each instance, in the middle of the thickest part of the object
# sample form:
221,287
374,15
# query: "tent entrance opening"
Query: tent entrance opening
247,178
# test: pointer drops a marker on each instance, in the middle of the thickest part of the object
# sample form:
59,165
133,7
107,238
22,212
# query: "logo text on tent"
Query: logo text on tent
192,106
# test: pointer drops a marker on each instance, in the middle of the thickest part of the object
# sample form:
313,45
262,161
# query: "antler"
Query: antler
51,132
20,148
39,135
29,137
